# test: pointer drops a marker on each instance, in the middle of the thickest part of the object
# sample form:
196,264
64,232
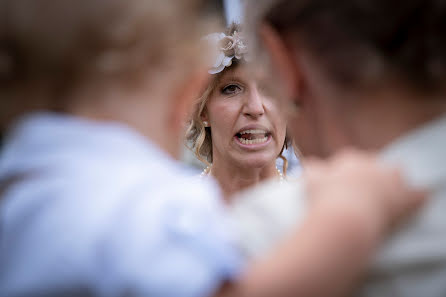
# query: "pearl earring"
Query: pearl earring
206,123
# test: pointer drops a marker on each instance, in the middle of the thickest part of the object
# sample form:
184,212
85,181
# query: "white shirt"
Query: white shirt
95,208
412,263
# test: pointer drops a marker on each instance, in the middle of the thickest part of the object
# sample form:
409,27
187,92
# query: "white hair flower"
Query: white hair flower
226,47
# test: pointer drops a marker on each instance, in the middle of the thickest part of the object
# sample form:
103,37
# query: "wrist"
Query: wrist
359,223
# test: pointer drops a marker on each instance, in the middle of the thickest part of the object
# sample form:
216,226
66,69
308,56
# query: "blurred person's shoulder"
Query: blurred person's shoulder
266,213
413,261
87,190
274,190
96,162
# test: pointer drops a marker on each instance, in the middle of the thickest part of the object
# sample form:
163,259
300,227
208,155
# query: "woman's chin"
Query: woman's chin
256,160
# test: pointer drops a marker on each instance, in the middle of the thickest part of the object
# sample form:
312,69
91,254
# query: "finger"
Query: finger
404,200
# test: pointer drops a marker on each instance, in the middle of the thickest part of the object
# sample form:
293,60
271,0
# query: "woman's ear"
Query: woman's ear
204,115
282,60
204,118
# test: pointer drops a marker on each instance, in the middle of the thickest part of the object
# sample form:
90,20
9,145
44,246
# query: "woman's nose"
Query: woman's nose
253,105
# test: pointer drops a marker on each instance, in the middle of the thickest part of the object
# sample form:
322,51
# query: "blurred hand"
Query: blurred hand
354,201
357,184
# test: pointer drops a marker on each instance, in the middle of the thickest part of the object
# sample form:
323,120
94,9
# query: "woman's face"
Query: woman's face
247,127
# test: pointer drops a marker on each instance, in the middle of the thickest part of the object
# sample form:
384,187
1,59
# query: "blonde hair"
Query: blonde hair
64,45
199,137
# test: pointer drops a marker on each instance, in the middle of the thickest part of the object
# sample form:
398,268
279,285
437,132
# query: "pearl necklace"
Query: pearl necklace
207,172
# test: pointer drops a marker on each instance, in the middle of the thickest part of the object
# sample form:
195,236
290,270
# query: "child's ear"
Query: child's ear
186,94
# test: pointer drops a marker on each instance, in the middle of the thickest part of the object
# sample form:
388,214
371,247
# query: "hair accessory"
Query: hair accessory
226,47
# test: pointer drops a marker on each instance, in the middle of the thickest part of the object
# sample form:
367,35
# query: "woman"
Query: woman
237,130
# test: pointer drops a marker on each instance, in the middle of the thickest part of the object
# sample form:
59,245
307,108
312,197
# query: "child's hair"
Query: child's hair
56,46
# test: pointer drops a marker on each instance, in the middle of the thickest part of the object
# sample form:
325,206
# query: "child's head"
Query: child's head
53,52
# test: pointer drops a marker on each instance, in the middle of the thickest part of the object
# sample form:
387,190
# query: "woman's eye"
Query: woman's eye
231,89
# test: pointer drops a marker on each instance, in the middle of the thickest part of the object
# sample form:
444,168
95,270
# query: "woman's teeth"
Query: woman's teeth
256,131
253,141
253,136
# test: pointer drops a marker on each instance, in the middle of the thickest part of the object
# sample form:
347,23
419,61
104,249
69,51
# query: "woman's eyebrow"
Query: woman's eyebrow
232,78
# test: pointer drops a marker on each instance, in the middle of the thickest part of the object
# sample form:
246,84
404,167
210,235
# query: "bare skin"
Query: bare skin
238,104
233,179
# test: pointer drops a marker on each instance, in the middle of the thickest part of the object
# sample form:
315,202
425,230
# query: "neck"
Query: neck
379,122
234,178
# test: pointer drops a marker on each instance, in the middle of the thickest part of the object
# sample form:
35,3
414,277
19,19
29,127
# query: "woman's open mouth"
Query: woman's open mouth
252,137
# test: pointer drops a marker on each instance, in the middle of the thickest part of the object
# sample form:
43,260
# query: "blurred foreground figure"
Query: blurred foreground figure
94,96
371,75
